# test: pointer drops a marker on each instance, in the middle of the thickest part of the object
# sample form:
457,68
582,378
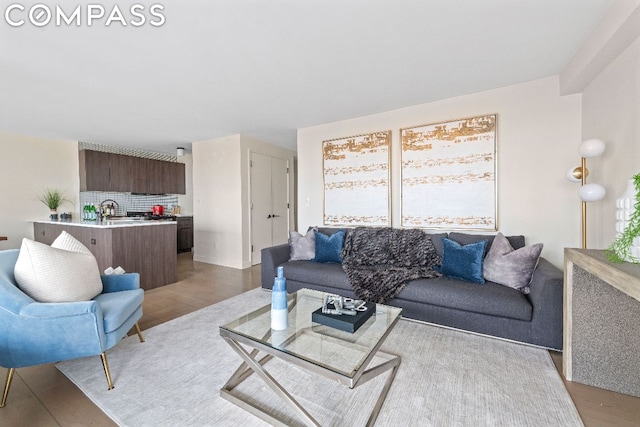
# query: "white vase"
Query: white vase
625,206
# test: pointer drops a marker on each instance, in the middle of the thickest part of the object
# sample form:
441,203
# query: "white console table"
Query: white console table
601,322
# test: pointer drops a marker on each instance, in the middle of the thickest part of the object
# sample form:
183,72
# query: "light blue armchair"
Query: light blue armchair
33,333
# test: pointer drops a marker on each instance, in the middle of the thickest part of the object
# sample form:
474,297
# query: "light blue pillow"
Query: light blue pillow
463,262
329,248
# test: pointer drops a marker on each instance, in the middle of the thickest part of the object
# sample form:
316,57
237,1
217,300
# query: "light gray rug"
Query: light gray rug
446,378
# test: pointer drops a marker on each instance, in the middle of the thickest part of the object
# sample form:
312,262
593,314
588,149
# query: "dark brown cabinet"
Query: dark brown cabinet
94,170
126,175
100,171
176,177
165,177
185,233
145,249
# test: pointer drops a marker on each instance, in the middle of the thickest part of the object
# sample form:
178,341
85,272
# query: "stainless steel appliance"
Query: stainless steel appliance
149,215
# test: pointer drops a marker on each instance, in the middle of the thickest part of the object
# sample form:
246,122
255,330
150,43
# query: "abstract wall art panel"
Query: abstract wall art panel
356,180
449,174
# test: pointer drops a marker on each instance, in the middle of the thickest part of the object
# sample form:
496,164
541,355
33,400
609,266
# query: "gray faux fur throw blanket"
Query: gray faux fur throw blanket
380,261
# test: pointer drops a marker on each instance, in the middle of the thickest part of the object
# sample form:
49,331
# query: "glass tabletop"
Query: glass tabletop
330,348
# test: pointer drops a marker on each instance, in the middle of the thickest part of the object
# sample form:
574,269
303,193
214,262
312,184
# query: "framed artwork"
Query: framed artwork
449,174
356,180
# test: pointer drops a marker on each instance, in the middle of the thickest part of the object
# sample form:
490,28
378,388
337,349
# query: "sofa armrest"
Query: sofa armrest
51,332
120,282
546,297
271,258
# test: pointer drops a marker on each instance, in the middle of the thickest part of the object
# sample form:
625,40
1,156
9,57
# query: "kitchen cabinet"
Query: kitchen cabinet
185,233
94,170
146,248
165,177
126,175
100,171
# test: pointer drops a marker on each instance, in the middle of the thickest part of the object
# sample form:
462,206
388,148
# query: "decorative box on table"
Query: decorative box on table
344,322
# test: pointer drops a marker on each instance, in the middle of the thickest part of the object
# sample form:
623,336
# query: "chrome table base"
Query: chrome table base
252,365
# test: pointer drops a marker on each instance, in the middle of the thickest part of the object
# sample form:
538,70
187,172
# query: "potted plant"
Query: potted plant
53,198
621,249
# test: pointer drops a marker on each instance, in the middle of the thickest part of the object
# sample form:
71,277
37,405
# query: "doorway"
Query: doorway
269,188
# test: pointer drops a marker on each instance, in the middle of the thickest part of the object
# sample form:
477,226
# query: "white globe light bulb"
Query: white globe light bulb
591,148
592,192
569,175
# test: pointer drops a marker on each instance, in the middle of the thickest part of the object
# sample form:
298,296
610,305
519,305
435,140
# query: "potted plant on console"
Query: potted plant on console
53,198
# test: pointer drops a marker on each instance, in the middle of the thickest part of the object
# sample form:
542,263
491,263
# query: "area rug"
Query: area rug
446,378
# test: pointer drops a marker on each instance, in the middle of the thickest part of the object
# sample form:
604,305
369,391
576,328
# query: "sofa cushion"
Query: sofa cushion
302,247
314,273
491,298
49,274
463,262
117,307
466,238
330,231
436,239
511,267
328,248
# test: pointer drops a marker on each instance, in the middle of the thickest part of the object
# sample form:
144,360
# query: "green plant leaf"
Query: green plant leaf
52,198
620,249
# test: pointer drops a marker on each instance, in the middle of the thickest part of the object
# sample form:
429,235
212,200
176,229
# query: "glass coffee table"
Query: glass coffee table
332,353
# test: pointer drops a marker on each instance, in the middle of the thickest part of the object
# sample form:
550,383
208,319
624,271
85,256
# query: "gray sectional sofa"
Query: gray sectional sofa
491,309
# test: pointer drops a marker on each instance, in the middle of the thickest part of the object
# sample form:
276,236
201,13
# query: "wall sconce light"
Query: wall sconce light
587,192
180,151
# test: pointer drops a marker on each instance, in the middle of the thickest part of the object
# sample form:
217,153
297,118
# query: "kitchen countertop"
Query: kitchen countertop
108,223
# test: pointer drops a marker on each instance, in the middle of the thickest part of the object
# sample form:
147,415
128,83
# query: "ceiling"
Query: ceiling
266,67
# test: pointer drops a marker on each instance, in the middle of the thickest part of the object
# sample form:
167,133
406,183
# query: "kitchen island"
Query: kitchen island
146,247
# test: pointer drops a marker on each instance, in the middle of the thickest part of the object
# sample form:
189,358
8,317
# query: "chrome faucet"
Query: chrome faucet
112,201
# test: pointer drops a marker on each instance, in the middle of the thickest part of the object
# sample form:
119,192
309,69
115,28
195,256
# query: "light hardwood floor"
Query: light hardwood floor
42,396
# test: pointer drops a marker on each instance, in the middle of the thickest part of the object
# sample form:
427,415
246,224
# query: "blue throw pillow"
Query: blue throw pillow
463,262
329,248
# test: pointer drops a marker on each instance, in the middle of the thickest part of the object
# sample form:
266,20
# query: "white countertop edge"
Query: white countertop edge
106,224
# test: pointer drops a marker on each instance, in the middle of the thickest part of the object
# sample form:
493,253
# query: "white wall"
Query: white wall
28,165
611,112
221,198
538,132
217,202
606,70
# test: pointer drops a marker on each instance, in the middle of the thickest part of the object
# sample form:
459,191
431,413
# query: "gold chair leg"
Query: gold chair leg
105,365
139,332
7,384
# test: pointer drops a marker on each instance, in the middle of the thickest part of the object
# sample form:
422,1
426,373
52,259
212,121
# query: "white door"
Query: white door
269,203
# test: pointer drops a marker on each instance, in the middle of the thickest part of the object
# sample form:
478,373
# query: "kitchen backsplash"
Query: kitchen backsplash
129,202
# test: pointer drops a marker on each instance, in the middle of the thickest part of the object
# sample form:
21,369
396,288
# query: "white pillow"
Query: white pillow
49,274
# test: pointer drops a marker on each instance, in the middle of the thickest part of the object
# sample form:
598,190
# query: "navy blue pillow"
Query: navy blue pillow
329,248
463,262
